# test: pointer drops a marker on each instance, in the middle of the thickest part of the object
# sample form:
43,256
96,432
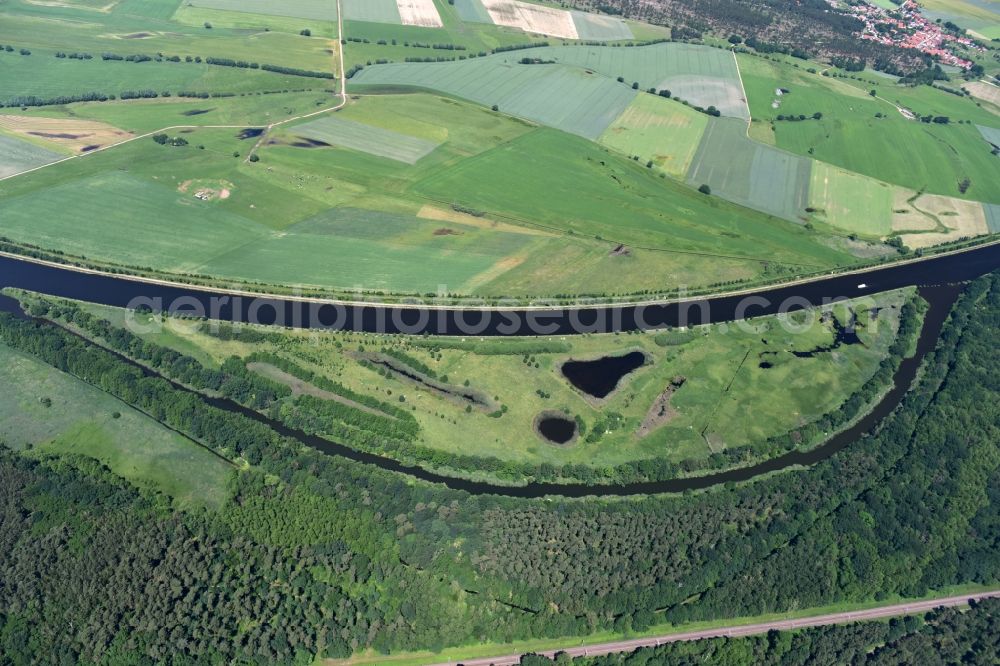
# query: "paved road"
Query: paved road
908,608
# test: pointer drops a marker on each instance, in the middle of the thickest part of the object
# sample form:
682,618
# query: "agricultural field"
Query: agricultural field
868,135
18,155
626,203
738,385
559,96
980,17
991,134
321,10
751,174
544,20
464,174
656,129
922,220
77,135
701,75
337,131
57,414
44,76
851,202
992,212
146,27
373,11
987,92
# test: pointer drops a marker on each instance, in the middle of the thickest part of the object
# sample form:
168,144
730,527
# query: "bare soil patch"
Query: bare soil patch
300,387
71,133
429,212
661,411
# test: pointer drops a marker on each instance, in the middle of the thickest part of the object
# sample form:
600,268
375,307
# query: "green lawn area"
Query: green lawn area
851,202
81,420
660,130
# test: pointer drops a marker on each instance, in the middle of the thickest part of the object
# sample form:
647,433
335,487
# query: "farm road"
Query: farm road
342,95
735,631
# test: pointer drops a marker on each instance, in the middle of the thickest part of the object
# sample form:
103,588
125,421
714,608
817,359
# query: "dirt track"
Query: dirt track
908,608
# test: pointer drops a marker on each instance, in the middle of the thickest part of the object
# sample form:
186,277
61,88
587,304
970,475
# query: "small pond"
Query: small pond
598,378
555,427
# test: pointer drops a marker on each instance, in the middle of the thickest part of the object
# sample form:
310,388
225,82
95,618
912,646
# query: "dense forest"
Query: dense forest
315,554
806,27
942,636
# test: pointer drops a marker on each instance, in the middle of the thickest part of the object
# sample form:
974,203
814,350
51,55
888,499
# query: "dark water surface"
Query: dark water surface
557,429
599,377
121,292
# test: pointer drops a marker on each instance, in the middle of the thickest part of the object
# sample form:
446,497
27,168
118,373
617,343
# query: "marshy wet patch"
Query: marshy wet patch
556,428
305,142
401,371
250,133
599,377
842,336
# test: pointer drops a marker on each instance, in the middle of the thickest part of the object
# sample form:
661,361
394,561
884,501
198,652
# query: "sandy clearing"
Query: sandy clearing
429,212
532,18
104,9
71,133
905,217
495,271
300,387
419,12
984,91
962,219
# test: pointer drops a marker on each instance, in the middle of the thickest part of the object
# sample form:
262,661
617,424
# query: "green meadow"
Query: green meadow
625,202
743,384
57,414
